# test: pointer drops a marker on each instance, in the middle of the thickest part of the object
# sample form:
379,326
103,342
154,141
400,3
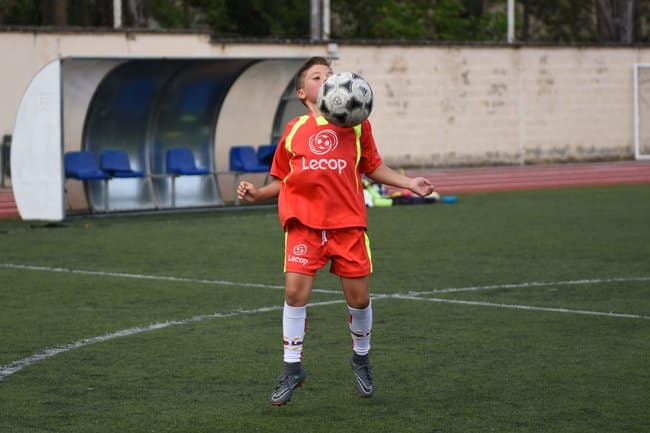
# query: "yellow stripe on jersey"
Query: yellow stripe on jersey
289,140
357,133
368,249
293,131
286,236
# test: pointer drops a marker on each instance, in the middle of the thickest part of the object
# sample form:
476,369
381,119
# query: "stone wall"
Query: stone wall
435,105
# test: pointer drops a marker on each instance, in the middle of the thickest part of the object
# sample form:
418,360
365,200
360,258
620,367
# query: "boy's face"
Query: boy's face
314,78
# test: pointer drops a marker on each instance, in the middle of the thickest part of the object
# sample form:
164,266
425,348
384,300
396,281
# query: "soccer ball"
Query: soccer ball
345,99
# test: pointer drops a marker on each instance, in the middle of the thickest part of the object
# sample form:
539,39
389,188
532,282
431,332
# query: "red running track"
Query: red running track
489,179
7,204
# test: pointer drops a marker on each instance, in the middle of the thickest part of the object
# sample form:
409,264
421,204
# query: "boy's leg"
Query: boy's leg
357,294
356,291
297,288
294,317
360,321
294,326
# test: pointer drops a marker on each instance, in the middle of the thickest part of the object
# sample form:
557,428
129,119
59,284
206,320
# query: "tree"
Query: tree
253,18
554,21
18,12
557,21
54,12
417,20
618,20
57,12
278,18
90,13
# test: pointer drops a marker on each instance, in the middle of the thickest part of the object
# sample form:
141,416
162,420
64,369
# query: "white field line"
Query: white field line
151,277
528,284
327,291
519,307
16,366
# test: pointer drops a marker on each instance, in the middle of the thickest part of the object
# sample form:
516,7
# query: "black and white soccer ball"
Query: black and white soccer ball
345,99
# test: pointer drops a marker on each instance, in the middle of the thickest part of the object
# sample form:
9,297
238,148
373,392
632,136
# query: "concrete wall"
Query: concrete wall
434,105
460,105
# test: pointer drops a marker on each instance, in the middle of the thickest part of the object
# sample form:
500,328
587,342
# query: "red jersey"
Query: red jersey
320,166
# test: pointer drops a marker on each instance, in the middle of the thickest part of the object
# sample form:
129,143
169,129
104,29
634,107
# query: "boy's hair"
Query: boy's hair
299,81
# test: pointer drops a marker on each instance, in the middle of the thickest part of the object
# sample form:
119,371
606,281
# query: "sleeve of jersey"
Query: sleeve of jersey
280,167
370,157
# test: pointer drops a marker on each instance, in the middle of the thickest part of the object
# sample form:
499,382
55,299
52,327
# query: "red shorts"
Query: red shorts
307,250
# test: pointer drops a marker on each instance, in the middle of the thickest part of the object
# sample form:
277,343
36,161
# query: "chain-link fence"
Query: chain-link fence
5,170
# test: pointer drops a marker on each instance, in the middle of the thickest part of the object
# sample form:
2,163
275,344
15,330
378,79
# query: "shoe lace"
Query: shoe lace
286,380
364,370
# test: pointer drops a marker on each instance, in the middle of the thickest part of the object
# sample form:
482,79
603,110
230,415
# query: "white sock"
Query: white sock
360,327
294,326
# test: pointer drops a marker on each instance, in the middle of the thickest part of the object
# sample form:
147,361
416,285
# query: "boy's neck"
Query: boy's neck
313,109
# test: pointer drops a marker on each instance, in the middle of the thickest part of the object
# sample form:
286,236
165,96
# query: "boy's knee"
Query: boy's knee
296,297
297,289
295,300
360,301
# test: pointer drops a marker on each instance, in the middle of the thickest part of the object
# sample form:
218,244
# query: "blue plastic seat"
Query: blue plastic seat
265,153
82,165
245,159
116,163
180,162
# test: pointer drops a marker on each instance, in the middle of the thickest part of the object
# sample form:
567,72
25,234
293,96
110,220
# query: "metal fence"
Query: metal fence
5,170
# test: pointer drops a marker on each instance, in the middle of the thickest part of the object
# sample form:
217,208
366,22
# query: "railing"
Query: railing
5,150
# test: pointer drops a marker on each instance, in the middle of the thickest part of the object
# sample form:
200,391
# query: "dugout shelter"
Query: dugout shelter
145,107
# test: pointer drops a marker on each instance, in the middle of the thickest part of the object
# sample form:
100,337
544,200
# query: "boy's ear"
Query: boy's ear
300,93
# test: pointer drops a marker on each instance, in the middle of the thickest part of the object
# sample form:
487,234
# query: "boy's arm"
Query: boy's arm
388,176
247,191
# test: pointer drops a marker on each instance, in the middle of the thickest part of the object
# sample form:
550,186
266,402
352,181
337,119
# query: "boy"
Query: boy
316,172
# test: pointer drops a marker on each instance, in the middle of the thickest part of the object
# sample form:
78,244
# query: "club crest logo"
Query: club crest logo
323,142
300,249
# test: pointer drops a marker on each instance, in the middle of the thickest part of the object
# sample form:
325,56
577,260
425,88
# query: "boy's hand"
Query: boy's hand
421,186
246,191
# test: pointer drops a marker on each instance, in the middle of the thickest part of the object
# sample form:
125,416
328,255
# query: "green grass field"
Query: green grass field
504,312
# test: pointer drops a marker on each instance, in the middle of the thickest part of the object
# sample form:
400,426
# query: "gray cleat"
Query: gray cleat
362,375
287,384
